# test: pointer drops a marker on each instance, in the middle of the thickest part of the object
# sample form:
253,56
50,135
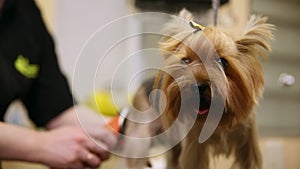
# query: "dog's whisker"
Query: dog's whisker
175,67
179,82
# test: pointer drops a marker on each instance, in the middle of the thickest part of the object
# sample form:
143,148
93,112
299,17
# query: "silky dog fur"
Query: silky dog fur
208,63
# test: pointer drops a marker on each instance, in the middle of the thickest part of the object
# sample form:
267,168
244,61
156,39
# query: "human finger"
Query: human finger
99,149
106,136
74,165
90,159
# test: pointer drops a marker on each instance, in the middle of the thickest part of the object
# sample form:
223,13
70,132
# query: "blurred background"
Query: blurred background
73,22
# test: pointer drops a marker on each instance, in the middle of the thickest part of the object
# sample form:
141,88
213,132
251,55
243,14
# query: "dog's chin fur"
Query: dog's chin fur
194,57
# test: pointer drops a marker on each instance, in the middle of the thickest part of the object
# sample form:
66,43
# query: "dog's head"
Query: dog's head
203,64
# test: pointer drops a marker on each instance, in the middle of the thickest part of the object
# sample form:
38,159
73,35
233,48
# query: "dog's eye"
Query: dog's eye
186,61
223,62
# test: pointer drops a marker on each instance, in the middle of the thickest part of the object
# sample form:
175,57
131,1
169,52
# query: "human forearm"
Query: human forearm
64,147
18,143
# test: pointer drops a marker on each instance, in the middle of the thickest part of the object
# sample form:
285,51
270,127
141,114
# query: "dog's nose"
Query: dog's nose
200,86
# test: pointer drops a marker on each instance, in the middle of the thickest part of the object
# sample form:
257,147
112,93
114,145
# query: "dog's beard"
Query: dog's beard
186,102
184,92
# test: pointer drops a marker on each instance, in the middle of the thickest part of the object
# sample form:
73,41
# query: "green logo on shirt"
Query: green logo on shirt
25,68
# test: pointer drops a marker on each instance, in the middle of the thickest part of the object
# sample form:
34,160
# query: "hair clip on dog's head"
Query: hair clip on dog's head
196,26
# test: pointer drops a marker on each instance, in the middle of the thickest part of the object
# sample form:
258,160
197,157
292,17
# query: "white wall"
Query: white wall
76,21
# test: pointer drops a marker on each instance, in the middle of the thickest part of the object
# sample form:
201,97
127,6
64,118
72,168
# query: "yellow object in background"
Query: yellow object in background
103,103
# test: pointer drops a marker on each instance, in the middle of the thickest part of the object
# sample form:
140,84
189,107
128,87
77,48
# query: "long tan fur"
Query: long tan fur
239,81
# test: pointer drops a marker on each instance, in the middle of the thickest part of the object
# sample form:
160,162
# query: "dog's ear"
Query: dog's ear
185,15
256,36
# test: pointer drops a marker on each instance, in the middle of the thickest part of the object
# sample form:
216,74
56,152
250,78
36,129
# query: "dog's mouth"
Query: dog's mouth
204,92
204,106
201,111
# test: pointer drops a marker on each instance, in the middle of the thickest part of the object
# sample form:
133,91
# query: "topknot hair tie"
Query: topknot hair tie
196,26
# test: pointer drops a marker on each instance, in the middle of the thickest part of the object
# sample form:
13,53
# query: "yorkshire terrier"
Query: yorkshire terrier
210,82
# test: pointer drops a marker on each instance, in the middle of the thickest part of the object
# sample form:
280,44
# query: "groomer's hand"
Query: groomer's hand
70,147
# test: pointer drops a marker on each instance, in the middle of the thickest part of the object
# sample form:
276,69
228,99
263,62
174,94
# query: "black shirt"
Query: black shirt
29,69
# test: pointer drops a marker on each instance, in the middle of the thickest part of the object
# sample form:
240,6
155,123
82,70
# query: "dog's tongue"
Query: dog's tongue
202,112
